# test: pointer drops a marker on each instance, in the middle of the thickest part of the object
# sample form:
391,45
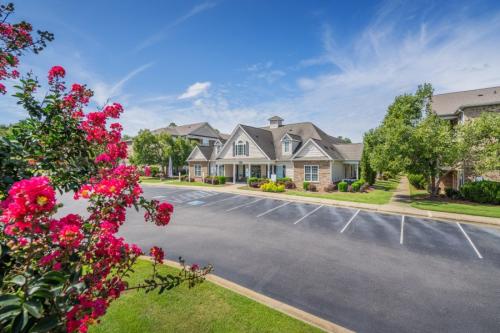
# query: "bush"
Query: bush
155,171
312,188
452,193
290,185
222,179
418,181
330,187
283,180
257,182
305,186
484,191
272,187
212,180
355,186
342,186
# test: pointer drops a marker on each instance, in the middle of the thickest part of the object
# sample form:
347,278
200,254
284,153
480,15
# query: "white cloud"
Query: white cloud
160,35
195,89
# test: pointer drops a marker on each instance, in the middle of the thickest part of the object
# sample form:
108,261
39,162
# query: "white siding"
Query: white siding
311,152
337,171
197,156
253,149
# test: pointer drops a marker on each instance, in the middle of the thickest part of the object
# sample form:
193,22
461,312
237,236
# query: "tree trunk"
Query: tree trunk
433,186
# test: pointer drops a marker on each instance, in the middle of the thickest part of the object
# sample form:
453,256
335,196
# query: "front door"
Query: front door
241,173
255,171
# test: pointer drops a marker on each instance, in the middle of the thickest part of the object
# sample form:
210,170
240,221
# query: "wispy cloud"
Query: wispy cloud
104,91
160,35
195,90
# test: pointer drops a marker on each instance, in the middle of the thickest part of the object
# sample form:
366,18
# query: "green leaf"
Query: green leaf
18,279
10,311
34,308
9,300
45,325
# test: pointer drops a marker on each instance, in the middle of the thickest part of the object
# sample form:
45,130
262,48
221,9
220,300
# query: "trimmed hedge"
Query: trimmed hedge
343,186
484,191
418,181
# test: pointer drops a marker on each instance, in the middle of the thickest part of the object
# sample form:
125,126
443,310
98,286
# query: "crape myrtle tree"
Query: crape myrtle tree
413,139
60,274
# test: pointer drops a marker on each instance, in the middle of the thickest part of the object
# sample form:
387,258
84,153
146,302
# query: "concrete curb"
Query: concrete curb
291,311
387,208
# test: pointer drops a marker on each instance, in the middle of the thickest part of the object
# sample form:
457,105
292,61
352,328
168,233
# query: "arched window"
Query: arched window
240,148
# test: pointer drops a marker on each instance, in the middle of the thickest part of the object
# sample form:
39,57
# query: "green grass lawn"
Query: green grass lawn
458,208
420,200
151,180
381,194
205,308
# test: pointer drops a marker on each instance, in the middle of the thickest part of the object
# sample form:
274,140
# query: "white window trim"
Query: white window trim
243,146
311,166
286,144
196,174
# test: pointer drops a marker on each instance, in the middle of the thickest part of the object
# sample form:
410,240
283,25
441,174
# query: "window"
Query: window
240,148
221,170
311,173
205,142
217,148
197,170
286,146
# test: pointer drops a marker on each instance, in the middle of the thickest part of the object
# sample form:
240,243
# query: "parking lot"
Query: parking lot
366,271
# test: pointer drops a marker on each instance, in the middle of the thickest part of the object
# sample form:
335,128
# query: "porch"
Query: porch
240,172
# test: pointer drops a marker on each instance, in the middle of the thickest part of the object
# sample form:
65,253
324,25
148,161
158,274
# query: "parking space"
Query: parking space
399,274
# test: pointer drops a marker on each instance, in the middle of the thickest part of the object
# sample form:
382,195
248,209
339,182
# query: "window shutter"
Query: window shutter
246,149
234,149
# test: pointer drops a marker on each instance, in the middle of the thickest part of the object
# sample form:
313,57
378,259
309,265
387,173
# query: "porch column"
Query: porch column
249,171
357,170
189,172
234,173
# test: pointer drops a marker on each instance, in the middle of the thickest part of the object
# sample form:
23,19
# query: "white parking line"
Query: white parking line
349,222
303,217
244,205
214,202
470,241
273,209
402,229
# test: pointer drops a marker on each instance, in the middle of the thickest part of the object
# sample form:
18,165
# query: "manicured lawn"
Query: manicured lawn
381,194
205,308
459,208
151,180
379,197
421,200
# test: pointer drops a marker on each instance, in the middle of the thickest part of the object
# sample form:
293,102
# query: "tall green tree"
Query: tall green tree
145,149
166,151
367,171
479,143
181,150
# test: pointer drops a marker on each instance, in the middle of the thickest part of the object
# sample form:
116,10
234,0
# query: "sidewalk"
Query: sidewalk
401,196
396,207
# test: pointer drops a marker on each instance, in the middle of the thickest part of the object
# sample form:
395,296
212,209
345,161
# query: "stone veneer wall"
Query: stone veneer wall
204,169
475,111
324,173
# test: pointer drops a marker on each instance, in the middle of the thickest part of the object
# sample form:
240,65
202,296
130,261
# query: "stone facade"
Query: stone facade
324,173
204,170
475,111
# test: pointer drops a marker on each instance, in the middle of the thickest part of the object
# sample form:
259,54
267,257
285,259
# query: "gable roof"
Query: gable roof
350,151
206,151
450,103
262,138
199,129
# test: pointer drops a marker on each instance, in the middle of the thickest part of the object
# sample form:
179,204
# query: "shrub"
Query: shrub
312,188
283,180
418,181
290,185
212,180
305,186
330,187
155,171
222,179
252,180
342,186
355,186
272,187
484,191
452,193
257,182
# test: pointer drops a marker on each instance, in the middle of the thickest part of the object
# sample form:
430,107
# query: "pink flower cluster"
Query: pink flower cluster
14,37
29,208
157,254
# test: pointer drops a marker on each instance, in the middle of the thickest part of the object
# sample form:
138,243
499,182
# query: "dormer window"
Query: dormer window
286,146
240,148
217,147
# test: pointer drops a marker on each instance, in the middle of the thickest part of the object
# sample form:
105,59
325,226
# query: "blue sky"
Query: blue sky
337,64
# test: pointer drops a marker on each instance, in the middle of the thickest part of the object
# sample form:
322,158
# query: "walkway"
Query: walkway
401,196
